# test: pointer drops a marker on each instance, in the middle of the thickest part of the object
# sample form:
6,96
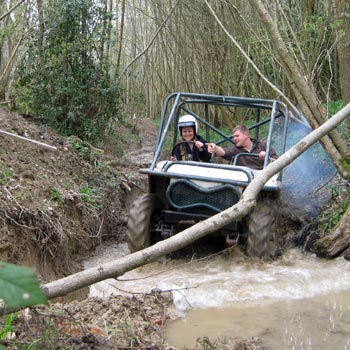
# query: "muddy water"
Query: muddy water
298,302
320,322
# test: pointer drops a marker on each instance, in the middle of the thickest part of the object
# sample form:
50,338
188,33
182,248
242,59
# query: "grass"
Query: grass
8,328
6,174
88,195
56,195
80,146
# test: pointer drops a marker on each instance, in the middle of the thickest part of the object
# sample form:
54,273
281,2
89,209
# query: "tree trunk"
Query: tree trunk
121,37
342,13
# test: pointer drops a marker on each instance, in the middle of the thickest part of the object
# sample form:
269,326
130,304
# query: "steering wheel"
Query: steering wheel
178,144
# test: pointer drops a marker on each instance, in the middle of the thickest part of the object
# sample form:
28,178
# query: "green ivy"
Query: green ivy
335,106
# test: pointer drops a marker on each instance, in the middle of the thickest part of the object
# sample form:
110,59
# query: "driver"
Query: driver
192,146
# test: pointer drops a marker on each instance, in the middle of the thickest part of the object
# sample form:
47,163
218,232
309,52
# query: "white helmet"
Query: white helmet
188,120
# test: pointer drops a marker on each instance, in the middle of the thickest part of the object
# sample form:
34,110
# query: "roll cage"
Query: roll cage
270,113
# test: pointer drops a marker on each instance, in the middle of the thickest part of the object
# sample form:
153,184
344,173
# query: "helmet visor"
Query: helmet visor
183,124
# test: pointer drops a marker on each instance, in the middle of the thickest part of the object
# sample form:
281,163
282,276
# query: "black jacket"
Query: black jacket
184,152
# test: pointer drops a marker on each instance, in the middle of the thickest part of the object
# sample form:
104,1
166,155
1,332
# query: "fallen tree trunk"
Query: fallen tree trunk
120,266
336,243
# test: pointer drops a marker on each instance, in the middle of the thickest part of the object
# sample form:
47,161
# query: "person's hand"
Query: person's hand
172,158
262,155
199,145
211,147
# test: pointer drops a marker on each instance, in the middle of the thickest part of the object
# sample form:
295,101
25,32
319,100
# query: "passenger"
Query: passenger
243,144
192,147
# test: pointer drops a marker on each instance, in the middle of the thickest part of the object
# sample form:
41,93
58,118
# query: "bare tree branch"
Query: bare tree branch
121,35
305,92
27,140
11,10
12,58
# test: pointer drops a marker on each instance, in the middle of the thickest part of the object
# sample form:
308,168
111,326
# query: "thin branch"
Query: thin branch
251,29
121,35
11,10
13,56
179,290
296,41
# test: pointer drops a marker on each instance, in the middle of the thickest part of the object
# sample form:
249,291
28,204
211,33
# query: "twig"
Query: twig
152,291
251,62
132,182
175,267
325,184
11,10
14,199
179,290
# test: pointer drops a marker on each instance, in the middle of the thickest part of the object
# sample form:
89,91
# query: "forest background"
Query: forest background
84,67
74,63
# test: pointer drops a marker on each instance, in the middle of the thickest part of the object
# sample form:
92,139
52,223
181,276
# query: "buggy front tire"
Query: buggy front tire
142,217
260,227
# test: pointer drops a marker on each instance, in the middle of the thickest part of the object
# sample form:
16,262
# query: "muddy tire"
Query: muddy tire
142,216
260,226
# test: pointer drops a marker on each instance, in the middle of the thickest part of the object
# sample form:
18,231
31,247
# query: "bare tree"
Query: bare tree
10,43
121,35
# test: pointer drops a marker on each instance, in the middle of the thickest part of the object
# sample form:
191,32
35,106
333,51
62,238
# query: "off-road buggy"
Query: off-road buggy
182,193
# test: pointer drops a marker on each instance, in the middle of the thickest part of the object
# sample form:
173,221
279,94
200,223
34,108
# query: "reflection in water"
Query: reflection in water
297,302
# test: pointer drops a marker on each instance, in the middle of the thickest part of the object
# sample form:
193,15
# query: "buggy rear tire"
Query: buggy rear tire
260,226
142,217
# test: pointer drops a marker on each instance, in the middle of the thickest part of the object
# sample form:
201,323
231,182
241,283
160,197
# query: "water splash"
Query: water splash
225,280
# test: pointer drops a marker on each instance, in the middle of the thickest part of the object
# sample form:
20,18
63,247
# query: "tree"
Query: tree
342,25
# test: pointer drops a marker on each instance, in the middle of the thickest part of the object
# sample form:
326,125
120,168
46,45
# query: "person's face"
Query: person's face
187,133
240,138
